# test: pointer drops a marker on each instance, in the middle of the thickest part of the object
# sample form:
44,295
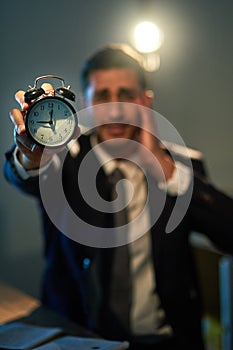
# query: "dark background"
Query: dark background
193,88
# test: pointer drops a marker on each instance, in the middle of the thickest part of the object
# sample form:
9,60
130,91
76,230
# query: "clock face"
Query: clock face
51,121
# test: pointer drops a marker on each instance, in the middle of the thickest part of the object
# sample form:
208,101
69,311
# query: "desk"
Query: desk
17,305
26,310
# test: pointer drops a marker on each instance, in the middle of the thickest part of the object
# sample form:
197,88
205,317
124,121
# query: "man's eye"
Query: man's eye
127,95
102,96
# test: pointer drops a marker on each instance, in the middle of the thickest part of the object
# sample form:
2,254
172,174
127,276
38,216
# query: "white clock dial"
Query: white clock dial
51,121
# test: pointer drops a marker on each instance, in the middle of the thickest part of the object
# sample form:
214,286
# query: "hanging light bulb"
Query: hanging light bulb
148,37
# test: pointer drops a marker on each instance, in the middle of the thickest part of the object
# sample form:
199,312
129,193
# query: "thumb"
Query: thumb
19,96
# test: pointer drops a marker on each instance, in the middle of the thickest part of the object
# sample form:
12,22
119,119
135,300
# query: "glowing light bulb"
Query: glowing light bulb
148,37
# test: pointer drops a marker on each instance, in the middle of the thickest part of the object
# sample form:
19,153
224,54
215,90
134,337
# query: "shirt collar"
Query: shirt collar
105,159
108,163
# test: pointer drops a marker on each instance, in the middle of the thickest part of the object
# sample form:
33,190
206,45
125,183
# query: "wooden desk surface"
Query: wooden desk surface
15,303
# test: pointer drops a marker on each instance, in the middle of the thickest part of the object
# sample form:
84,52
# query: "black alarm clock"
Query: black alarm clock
51,121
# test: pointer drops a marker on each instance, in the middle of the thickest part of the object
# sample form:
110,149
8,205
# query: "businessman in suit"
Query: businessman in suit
157,304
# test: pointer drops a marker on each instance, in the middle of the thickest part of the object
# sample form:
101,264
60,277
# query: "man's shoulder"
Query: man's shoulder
183,151
187,155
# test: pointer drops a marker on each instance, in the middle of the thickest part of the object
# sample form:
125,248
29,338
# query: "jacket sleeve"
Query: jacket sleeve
29,186
211,213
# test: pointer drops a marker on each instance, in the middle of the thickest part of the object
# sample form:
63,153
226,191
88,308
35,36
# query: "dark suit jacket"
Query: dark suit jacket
77,277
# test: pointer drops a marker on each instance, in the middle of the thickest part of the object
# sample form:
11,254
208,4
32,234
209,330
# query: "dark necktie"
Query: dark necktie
120,290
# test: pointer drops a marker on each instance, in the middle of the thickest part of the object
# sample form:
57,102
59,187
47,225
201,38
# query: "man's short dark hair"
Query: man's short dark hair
113,56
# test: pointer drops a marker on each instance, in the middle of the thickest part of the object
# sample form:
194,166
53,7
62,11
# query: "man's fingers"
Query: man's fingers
48,88
148,121
20,136
19,96
148,132
17,118
24,143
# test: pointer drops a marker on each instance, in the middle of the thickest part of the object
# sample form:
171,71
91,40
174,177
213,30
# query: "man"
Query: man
162,304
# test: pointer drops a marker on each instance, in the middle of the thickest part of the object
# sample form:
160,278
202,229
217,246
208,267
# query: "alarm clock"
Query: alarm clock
51,121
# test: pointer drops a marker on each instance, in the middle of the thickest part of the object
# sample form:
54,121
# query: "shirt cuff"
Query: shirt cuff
26,174
178,184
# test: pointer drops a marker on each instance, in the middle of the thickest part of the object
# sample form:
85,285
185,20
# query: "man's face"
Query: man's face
117,93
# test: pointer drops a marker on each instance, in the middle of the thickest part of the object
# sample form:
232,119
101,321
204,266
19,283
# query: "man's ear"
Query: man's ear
149,98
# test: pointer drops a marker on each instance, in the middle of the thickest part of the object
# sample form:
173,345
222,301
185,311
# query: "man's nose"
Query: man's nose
115,110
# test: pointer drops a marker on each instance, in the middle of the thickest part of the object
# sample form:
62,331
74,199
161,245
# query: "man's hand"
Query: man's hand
29,154
156,161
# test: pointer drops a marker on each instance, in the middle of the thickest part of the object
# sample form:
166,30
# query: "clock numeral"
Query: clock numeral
42,136
36,114
50,104
42,108
32,122
60,137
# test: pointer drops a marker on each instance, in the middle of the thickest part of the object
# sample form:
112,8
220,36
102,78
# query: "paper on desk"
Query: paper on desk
74,343
22,336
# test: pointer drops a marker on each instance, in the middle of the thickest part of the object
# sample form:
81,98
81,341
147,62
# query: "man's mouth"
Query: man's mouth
115,129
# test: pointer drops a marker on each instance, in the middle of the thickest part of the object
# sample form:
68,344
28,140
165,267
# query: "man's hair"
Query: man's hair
113,56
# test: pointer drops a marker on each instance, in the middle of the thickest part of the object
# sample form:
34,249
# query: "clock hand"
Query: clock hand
52,121
46,126
51,117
